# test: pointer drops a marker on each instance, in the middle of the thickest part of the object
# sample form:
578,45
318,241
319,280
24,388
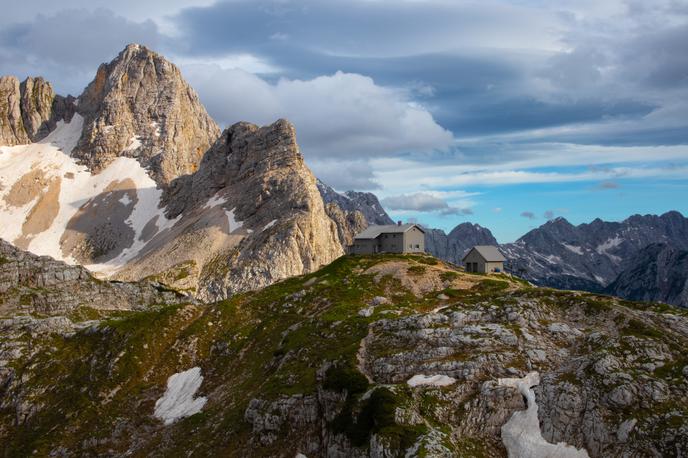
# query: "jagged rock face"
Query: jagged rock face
139,106
40,284
37,97
589,256
453,246
658,273
12,130
250,216
365,202
30,111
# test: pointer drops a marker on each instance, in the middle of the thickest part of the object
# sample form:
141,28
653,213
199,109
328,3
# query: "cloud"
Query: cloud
336,27
549,214
397,174
341,116
423,202
529,215
605,185
345,175
68,46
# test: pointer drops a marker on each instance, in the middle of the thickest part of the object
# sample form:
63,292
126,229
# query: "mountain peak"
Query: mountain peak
140,106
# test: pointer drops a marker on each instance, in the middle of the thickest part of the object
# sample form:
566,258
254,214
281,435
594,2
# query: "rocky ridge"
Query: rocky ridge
350,201
657,273
590,256
251,215
323,365
40,285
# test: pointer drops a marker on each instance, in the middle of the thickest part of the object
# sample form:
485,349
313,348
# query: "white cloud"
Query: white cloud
343,115
401,177
345,175
426,202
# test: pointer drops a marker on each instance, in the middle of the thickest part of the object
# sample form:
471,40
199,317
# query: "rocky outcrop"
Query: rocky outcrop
37,98
12,130
139,106
40,284
658,273
251,215
221,214
30,111
453,246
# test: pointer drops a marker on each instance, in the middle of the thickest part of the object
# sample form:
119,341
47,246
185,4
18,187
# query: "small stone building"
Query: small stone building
484,259
392,238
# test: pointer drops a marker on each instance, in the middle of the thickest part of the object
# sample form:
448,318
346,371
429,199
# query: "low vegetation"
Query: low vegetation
94,390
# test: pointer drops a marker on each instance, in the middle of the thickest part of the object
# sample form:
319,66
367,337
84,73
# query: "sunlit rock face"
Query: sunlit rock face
139,106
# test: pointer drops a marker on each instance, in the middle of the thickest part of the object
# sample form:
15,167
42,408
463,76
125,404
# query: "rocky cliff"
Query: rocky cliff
657,273
29,110
139,106
368,357
251,215
43,286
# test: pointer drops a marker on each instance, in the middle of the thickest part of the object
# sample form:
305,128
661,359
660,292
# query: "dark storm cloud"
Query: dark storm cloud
339,27
470,87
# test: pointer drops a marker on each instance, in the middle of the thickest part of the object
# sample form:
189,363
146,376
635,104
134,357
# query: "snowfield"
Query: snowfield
521,435
179,400
59,187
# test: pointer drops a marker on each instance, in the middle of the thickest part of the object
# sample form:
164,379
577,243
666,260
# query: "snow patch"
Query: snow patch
134,143
125,200
215,201
574,249
608,245
604,248
179,400
430,380
552,259
233,223
270,224
521,435
65,136
156,128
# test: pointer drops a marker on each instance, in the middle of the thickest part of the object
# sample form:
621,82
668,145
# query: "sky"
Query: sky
502,113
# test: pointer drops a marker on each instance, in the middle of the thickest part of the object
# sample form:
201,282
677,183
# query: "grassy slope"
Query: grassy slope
97,389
